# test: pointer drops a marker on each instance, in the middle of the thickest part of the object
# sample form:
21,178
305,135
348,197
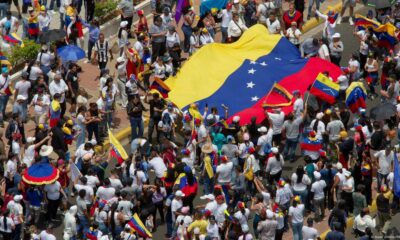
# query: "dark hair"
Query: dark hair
107,182
300,173
82,193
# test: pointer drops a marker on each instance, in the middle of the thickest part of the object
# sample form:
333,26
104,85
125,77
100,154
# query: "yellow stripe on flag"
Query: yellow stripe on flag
117,145
326,81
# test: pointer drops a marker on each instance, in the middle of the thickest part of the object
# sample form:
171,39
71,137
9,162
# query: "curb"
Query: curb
311,24
350,221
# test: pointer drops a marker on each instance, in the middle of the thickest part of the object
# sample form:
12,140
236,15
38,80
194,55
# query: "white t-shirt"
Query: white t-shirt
310,233
266,197
158,165
105,193
35,72
11,168
349,183
211,206
242,218
277,121
212,231
116,183
384,161
23,87
126,207
29,155
220,213
297,213
175,206
224,172
264,140
9,223
60,88
323,52
89,192
298,107
92,181
141,177
301,186
320,128
46,236
273,27
318,189
45,103
53,190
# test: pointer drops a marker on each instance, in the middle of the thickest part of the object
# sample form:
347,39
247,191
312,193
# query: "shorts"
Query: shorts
351,3
14,1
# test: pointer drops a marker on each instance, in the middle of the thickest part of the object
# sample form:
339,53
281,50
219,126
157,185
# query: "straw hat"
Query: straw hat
45,150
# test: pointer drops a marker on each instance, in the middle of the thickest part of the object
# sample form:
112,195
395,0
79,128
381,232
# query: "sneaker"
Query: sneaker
351,21
339,20
52,12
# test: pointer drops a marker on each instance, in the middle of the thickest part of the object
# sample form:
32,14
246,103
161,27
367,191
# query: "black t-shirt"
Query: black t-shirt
72,78
160,104
135,110
377,140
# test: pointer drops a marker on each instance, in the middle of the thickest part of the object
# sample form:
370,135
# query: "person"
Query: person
205,37
4,93
158,43
188,21
7,225
102,52
385,164
330,23
323,51
156,107
60,88
383,206
309,232
274,166
363,221
194,41
335,234
267,227
273,24
336,49
235,28
317,189
135,110
293,34
47,234
292,15
309,47
371,68
296,215
301,183
70,228
126,9
291,130
226,17
347,3
53,194
9,24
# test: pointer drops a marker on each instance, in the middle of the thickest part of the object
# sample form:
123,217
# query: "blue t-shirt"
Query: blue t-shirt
35,197
335,235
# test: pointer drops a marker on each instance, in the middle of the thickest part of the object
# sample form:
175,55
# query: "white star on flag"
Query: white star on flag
252,71
253,62
263,64
254,99
279,59
250,85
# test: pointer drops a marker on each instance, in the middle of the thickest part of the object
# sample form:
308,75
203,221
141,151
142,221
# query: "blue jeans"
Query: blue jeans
168,220
83,226
224,32
3,9
208,185
382,177
17,232
290,148
136,127
58,3
297,231
109,114
21,109
187,32
3,105
311,3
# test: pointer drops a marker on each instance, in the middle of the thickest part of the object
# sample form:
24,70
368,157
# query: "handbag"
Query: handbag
249,174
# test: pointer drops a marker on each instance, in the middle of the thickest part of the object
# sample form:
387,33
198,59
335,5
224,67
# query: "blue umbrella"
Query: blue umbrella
71,53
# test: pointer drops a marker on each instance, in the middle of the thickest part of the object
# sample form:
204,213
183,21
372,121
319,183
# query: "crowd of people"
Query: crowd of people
236,172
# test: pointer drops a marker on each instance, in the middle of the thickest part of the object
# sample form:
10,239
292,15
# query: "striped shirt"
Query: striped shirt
102,50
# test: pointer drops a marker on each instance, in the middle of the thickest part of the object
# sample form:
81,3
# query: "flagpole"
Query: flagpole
269,92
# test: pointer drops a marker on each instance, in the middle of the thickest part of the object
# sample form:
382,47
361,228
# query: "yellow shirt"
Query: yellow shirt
201,224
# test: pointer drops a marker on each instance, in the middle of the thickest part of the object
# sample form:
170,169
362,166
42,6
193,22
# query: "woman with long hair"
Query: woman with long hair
257,205
116,221
372,68
7,225
300,183
122,37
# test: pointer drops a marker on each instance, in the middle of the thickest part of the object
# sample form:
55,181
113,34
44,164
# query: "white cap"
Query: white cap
179,193
30,139
208,196
336,35
120,60
274,150
339,166
319,115
236,119
317,175
21,97
262,129
270,214
17,198
123,24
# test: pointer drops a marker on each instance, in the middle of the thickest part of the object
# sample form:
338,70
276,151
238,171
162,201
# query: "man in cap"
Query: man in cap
20,107
268,227
291,129
220,210
59,86
385,160
177,204
224,172
309,232
16,212
338,181
4,93
276,119
336,49
263,142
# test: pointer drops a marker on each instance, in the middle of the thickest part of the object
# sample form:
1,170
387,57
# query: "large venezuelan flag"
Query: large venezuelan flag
240,75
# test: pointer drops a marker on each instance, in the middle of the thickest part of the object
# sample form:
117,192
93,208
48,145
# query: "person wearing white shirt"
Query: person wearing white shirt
363,221
220,210
139,46
264,140
212,229
273,24
300,183
7,225
317,188
330,24
172,37
318,126
194,41
296,216
176,204
385,164
277,119
58,86
309,232
47,234
298,105
44,20
226,17
157,163
205,37
224,171
235,28
274,166
293,34
105,192
323,51
9,24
